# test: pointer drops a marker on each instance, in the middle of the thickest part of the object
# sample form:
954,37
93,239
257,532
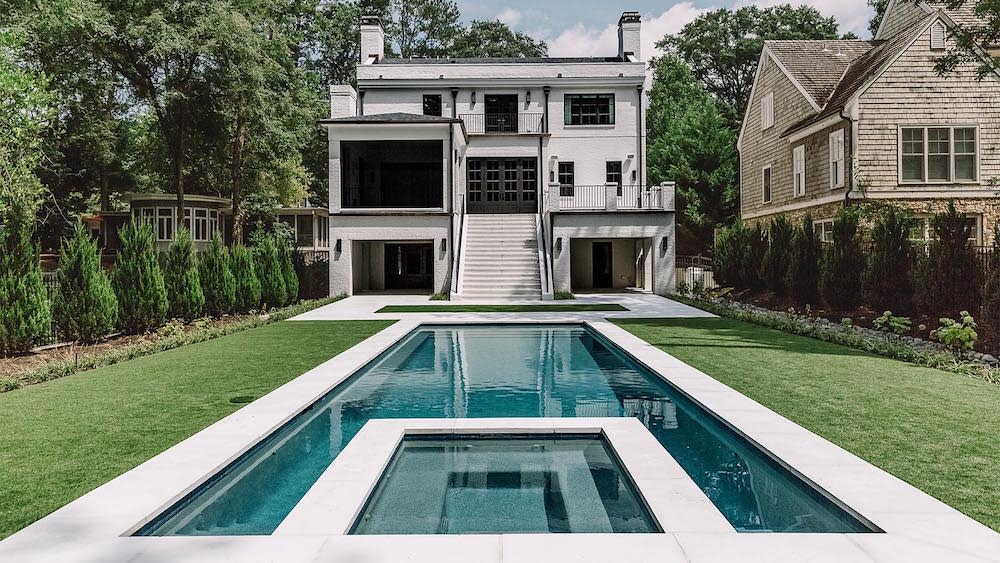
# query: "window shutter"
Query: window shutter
938,36
767,111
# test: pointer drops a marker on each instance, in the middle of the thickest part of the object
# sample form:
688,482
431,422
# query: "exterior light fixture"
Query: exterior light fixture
664,243
444,244
559,244
527,97
336,247
473,97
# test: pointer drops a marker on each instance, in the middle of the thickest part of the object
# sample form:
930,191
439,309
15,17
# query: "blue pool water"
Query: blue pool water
504,485
503,371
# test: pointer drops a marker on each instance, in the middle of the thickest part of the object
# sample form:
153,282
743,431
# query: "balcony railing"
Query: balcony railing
503,123
610,197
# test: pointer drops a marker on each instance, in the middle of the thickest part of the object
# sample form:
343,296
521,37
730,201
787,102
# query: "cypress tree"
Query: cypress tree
776,257
803,272
25,316
138,281
756,247
217,281
990,314
183,283
247,282
84,306
887,279
287,268
728,254
953,275
269,269
843,263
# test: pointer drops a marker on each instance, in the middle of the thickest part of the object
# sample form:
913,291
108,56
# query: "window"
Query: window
200,224
147,215
837,159
921,232
767,112
492,180
939,36
799,170
938,154
432,104
613,174
164,223
824,230
566,179
475,180
323,231
304,230
590,109
529,180
766,184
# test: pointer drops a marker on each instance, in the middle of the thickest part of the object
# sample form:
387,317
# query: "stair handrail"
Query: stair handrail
456,267
544,271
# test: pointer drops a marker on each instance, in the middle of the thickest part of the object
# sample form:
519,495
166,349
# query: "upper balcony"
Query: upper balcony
611,197
506,123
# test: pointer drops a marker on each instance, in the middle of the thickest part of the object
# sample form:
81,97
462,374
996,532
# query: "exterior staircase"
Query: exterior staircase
500,258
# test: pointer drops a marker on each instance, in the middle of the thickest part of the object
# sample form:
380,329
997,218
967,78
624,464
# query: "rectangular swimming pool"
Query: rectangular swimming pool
497,371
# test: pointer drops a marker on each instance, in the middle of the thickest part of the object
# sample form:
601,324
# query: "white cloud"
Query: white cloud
581,41
510,16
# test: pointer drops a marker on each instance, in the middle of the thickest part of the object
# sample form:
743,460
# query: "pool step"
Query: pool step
500,258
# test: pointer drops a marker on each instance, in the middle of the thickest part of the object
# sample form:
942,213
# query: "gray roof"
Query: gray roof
816,64
858,73
392,118
497,60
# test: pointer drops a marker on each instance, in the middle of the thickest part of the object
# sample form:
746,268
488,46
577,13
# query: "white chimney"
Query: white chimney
372,40
628,37
343,101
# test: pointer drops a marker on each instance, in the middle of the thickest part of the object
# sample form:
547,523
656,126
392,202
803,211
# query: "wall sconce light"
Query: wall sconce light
444,244
473,97
559,245
664,244
527,97
336,247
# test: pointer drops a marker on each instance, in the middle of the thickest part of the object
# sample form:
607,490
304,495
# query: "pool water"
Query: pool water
504,485
495,371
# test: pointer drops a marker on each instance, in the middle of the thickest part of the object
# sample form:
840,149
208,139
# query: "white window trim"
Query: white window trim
801,149
951,153
839,181
818,228
925,220
767,117
771,177
173,221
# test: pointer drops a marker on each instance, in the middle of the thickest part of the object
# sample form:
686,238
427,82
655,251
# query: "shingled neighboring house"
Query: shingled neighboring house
831,123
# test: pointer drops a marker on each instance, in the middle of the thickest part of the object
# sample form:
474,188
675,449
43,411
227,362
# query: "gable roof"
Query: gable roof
817,65
860,72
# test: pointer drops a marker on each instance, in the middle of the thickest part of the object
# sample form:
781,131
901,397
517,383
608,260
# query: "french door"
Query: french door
502,185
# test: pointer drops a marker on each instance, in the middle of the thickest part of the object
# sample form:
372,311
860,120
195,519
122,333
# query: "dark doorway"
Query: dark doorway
502,185
602,265
501,113
391,174
409,266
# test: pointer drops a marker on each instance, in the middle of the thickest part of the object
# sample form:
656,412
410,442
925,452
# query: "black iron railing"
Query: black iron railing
503,123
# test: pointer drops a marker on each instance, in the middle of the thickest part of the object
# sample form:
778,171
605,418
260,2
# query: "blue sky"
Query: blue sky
588,27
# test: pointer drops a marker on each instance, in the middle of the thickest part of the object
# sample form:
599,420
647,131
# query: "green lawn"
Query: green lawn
936,430
500,308
63,438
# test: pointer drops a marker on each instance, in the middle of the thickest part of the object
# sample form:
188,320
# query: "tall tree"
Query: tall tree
878,11
423,28
690,143
974,43
722,47
494,38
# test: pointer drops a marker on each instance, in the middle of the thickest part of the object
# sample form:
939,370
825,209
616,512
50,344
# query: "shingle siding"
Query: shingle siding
760,148
909,92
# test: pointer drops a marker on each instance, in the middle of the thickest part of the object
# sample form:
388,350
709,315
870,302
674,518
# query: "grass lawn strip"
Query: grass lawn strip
934,429
501,308
64,437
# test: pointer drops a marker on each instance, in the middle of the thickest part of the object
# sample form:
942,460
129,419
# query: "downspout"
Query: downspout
361,102
638,138
451,200
848,143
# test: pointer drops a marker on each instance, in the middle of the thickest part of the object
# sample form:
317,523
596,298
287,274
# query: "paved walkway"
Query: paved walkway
639,305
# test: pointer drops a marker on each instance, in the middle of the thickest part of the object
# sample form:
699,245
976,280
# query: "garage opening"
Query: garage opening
618,264
393,267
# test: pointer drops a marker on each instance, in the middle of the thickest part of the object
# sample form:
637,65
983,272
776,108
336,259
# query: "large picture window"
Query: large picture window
590,109
938,154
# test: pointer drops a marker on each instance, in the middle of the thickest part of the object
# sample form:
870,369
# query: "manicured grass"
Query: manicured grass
65,437
936,430
500,308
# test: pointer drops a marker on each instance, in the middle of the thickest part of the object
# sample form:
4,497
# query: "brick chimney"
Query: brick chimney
372,40
628,36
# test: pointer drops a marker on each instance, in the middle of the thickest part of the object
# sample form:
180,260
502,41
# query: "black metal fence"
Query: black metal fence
503,123
692,270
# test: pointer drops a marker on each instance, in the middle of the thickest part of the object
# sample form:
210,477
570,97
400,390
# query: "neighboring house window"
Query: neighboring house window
432,104
322,231
938,154
939,36
567,179
837,159
766,184
824,230
799,170
213,222
613,174
590,109
200,224
164,223
767,112
921,232
147,215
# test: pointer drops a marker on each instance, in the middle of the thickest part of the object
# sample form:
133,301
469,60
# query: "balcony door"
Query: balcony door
501,113
502,185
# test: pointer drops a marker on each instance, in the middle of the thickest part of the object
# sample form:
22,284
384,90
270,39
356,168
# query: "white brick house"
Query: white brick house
495,177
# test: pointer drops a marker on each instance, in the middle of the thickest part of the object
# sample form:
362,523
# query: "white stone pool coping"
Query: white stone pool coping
96,526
